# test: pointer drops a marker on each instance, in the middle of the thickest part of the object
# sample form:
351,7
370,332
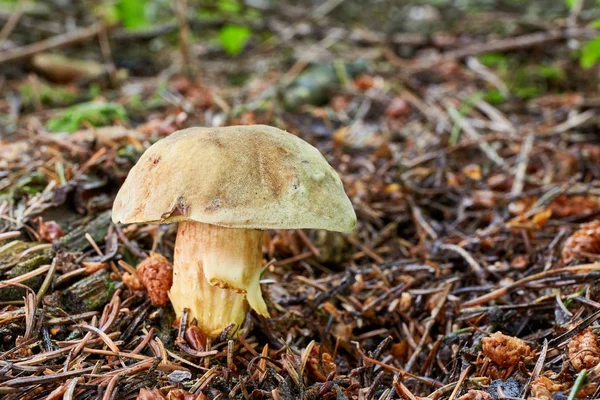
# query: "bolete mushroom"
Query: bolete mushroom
225,186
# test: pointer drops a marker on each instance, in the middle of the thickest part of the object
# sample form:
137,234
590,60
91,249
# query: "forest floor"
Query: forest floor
468,145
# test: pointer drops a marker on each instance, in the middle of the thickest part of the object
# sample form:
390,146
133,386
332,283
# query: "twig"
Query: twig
522,162
428,327
474,135
55,42
108,59
130,246
572,122
514,43
420,220
308,243
477,269
506,289
365,249
47,281
9,235
184,35
537,370
402,390
38,380
110,388
68,395
461,379
101,334
24,277
394,369
11,23
474,64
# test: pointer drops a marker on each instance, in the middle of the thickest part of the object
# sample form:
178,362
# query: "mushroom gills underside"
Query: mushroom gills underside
216,269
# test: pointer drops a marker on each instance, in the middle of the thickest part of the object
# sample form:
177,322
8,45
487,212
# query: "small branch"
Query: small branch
584,268
461,380
428,327
476,136
11,23
571,123
522,161
54,42
184,36
477,269
515,43
108,58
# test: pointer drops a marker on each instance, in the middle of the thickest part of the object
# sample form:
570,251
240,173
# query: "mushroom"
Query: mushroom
225,186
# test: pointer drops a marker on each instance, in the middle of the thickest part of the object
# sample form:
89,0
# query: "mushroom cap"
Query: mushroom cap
252,177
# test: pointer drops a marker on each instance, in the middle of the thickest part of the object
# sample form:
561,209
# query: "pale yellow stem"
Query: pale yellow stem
215,271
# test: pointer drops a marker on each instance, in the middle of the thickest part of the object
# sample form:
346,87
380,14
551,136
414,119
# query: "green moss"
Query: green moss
525,79
494,96
34,261
93,113
75,240
52,95
90,293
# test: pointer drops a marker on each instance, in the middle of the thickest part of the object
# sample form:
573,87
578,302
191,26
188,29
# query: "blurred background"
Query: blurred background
141,58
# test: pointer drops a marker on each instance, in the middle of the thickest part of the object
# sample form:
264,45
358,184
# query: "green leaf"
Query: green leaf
590,53
550,72
571,3
234,38
229,6
94,113
132,13
494,96
493,59
54,95
595,24
527,91
108,13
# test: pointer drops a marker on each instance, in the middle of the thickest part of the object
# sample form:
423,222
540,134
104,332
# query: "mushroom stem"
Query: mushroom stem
215,271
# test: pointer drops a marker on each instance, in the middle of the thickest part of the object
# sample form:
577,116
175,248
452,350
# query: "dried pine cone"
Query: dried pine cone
132,282
588,390
494,372
319,369
150,394
506,351
542,388
178,394
584,351
174,394
584,240
476,395
156,273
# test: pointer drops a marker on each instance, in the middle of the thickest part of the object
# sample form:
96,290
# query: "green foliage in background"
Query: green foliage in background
571,3
132,13
524,79
53,95
93,113
230,6
234,38
141,14
590,51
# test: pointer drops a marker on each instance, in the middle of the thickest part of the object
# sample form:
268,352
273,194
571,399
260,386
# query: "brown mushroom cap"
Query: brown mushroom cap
253,177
